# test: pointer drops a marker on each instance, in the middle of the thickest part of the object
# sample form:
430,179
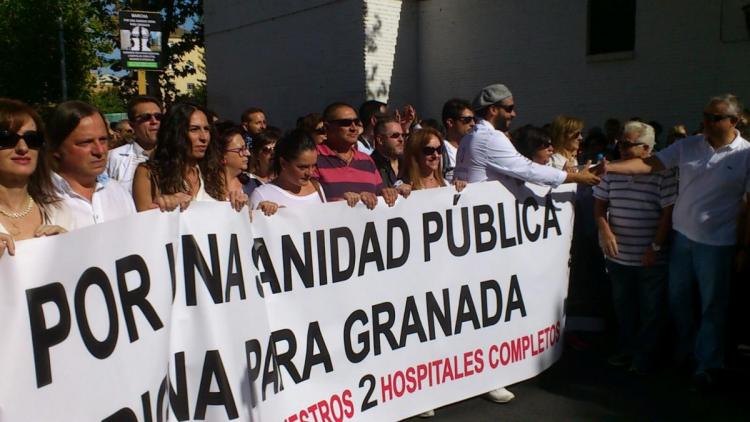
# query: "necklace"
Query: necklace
20,214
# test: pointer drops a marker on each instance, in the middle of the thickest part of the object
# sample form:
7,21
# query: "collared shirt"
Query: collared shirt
385,168
337,177
365,146
635,209
110,201
486,153
449,160
122,162
712,184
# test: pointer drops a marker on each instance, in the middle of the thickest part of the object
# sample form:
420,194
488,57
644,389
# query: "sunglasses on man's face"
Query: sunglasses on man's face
716,118
428,151
507,108
467,119
396,135
346,122
626,145
146,117
33,139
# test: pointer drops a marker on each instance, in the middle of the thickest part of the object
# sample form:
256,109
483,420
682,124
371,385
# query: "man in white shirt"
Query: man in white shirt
486,153
78,139
714,176
458,120
144,114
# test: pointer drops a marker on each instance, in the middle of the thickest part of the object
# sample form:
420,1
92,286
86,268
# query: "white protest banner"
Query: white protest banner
396,311
353,314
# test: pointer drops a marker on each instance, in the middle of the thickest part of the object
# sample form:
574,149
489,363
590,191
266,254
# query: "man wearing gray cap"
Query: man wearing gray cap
487,154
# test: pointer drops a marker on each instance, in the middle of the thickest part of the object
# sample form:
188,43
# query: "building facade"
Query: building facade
592,59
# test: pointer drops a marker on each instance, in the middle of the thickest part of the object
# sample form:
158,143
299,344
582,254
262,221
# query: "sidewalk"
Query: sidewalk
582,387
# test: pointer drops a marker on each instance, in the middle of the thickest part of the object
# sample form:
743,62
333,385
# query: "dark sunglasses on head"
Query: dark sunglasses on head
145,117
33,139
428,151
346,122
467,119
715,118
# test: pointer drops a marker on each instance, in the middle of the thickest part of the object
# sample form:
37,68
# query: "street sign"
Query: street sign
140,39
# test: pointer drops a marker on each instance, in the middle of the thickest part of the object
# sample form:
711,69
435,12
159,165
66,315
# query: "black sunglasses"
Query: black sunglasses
396,135
145,117
626,145
715,118
346,122
428,151
33,139
467,119
507,108
320,130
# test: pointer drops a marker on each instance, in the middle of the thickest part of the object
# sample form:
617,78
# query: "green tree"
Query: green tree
109,101
30,67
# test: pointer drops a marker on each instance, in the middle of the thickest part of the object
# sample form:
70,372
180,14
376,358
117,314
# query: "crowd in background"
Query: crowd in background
658,215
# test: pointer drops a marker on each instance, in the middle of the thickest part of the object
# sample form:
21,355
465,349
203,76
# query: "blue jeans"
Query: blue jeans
709,266
639,296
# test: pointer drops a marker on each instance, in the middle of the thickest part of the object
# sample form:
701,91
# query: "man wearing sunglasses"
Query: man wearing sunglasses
486,153
389,150
714,173
144,114
344,172
458,120
634,218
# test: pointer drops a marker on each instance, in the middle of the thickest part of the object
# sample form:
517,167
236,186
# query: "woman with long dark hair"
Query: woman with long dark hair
186,165
294,162
29,206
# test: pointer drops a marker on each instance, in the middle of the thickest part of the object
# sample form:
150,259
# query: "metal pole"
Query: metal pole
61,37
141,82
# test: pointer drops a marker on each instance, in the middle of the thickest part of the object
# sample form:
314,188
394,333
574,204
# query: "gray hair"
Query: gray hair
645,133
731,100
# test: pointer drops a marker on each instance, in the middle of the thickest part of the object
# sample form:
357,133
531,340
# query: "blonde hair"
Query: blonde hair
413,151
562,127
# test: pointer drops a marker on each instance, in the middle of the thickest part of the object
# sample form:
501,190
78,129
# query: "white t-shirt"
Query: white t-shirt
122,162
272,192
712,184
559,161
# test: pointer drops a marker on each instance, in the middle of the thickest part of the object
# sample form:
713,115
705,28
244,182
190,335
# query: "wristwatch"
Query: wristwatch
655,247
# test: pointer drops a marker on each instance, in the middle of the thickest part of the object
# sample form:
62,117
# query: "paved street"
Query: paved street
582,387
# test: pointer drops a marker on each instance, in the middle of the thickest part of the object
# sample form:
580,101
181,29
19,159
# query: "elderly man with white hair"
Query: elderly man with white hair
714,171
634,217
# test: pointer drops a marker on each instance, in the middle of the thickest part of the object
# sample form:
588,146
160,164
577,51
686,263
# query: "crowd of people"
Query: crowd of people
666,221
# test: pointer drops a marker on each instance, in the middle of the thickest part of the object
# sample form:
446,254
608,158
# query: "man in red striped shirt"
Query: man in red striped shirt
344,172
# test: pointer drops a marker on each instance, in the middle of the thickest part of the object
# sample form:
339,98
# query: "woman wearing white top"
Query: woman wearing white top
566,134
186,165
27,198
294,163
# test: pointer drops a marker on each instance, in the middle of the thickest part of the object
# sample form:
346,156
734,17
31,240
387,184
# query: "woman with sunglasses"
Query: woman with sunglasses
295,162
423,161
186,165
566,134
261,157
534,144
314,126
28,205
